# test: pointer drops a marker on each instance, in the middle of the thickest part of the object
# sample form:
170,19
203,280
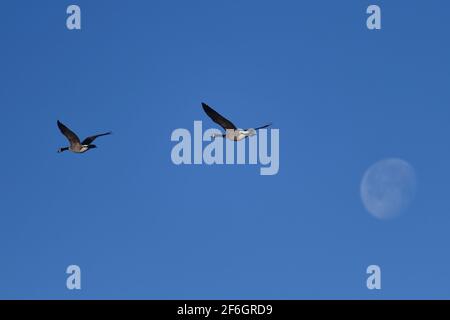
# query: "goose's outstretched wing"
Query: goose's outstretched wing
262,127
217,118
91,139
69,134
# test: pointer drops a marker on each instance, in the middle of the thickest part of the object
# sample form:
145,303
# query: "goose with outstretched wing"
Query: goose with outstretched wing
232,132
74,142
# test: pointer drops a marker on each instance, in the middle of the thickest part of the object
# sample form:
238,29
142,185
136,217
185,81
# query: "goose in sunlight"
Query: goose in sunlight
74,142
232,132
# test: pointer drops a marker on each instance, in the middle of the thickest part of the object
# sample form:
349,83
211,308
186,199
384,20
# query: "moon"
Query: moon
388,187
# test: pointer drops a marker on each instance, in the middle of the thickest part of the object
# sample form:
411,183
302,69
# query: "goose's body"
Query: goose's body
238,134
80,148
75,145
232,132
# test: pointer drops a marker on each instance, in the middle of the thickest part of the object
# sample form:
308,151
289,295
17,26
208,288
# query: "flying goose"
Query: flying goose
75,144
232,133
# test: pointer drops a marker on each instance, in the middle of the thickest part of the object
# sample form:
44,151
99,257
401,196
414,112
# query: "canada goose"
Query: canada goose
232,133
75,144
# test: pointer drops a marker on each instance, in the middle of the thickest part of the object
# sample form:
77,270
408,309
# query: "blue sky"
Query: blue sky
140,227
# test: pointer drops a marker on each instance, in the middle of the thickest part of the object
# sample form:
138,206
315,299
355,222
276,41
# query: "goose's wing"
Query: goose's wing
217,118
69,134
91,139
262,127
